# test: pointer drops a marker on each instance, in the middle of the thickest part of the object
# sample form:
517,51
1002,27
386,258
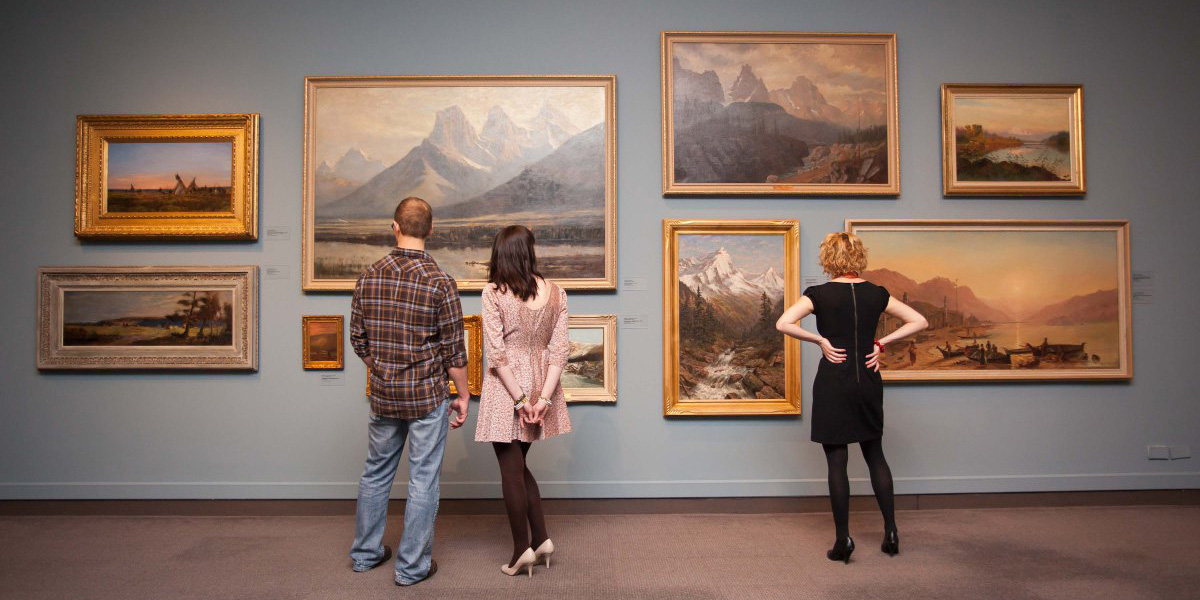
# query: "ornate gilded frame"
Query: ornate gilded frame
951,186
1120,231
309,281
674,188
607,393
673,404
241,355
306,357
94,132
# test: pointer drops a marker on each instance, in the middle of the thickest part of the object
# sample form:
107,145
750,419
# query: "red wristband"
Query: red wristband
879,345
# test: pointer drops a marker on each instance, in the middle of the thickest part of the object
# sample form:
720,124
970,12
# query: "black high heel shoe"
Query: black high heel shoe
891,543
841,550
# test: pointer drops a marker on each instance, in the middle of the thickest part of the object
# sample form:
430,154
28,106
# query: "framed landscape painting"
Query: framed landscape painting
323,342
591,371
780,113
1005,300
190,177
484,151
148,318
725,283
1012,140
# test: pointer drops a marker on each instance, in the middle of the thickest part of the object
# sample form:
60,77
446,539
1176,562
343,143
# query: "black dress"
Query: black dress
847,396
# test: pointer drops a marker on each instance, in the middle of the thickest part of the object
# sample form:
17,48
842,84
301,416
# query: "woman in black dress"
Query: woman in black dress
848,391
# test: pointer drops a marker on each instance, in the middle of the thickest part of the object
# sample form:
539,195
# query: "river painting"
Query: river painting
1004,138
484,157
805,110
169,177
731,292
585,362
1012,303
147,318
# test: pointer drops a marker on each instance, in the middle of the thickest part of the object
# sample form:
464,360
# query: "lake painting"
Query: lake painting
1004,302
585,363
167,176
484,152
147,318
1013,139
781,113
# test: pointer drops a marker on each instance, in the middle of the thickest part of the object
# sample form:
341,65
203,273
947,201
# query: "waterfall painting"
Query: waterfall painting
725,284
777,113
1012,140
484,151
1005,300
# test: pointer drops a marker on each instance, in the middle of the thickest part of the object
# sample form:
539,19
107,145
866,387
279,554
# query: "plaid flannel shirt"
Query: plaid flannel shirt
406,316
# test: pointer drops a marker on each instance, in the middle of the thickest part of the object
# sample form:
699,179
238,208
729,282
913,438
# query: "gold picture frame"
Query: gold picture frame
223,206
784,396
330,354
580,365
345,210
151,318
1015,140
819,148
473,332
1007,300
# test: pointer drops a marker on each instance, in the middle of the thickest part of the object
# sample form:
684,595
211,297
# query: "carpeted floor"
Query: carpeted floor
1108,553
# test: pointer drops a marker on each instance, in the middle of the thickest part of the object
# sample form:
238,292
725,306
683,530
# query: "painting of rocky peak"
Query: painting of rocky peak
535,151
780,113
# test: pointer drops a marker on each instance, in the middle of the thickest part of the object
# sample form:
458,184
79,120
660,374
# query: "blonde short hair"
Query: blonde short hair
842,253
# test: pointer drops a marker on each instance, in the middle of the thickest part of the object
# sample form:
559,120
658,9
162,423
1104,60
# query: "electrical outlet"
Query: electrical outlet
1158,452
1180,451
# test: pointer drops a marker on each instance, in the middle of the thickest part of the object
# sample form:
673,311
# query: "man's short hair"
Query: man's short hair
415,217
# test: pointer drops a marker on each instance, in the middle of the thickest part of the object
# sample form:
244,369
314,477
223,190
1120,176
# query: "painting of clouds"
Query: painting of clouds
483,154
785,112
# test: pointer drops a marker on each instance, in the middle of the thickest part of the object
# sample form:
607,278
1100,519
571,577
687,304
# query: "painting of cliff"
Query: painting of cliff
484,152
1013,139
729,283
591,370
1038,300
146,177
780,113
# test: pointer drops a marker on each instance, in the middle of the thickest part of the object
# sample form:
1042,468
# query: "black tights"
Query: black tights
839,484
522,499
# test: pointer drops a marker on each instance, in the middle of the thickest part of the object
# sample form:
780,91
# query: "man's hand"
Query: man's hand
458,410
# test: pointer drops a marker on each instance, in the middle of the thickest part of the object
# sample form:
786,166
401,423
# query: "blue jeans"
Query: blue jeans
385,445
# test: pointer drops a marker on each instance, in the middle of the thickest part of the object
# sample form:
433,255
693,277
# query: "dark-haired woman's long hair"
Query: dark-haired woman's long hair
514,263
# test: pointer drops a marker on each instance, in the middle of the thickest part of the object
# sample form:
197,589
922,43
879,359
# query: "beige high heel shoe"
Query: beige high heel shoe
528,558
546,549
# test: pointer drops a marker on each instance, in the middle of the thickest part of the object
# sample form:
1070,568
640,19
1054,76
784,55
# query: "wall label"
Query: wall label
634,284
634,321
277,271
278,233
333,379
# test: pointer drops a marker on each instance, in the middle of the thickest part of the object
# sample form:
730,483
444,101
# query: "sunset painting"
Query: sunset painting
536,151
169,177
1034,301
781,113
147,318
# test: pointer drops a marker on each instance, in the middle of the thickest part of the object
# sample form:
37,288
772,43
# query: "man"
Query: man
406,325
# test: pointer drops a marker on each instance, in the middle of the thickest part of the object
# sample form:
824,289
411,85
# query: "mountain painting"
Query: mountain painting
585,362
780,113
485,152
1033,300
725,284
169,177
1012,139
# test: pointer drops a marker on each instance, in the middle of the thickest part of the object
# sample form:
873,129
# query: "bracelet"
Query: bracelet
880,345
545,399
522,402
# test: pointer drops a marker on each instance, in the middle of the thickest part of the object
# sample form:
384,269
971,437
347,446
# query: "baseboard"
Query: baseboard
738,488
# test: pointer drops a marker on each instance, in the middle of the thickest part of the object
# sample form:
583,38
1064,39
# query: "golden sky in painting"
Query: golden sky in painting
322,327
1016,271
1020,116
386,122
840,71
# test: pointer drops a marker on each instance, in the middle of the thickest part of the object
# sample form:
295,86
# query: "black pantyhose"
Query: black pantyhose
522,499
839,484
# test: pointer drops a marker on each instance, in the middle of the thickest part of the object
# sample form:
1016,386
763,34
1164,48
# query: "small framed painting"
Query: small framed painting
167,177
473,337
725,283
591,371
323,342
194,318
780,113
1012,140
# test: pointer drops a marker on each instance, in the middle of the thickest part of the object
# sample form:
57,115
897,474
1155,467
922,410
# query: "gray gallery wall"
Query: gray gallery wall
278,434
